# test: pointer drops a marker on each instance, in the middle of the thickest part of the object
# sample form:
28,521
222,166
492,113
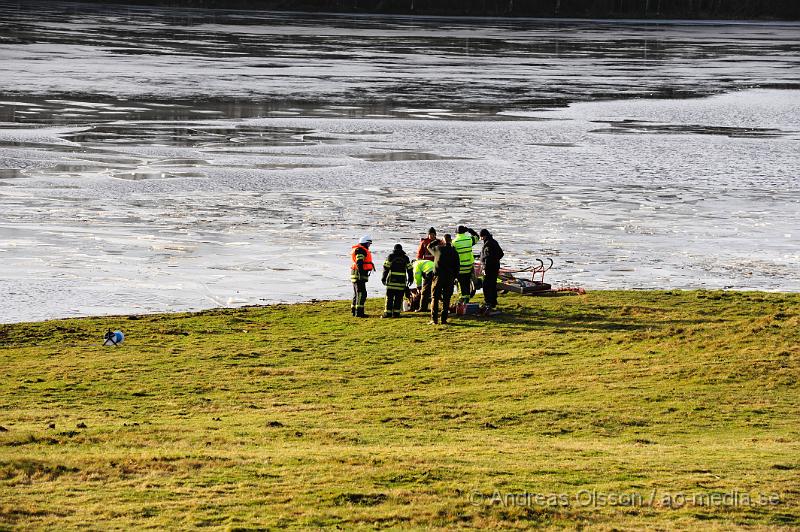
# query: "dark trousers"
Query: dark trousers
394,303
465,287
490,287
425,293
359,297
442,292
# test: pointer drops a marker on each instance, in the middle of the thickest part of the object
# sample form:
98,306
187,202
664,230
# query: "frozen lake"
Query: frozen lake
164,160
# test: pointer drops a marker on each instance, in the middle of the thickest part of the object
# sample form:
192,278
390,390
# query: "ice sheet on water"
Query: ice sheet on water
19,136
637,211
126,192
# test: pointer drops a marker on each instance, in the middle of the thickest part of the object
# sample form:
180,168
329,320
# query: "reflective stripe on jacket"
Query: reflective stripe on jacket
360,253
463,244
396,270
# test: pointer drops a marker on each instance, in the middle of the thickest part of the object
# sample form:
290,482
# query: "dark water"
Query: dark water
244,64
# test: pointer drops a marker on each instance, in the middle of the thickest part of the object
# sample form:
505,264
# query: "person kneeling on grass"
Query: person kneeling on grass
413,296
397,275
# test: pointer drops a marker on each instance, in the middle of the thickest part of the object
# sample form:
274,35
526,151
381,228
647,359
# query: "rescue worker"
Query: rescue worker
423,277
445,271
465,239
397,275
359,274
422,250
413,297
491,253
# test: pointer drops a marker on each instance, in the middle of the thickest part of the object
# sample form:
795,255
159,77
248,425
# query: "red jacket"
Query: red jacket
422,250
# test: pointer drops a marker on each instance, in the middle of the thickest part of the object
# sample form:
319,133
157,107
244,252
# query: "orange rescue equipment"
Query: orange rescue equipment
361,253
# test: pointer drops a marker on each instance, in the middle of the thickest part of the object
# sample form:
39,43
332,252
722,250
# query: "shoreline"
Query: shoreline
371,301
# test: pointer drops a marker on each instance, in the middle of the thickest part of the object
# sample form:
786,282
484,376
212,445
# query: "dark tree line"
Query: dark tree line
713,9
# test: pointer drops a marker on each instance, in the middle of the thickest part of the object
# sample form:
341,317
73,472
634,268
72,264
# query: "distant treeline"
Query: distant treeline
685,9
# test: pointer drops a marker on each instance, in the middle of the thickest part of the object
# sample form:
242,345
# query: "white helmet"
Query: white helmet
366,239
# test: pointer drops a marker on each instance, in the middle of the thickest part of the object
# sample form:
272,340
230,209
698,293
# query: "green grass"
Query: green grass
302,416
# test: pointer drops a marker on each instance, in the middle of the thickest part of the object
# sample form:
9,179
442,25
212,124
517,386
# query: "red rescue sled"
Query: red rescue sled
510,281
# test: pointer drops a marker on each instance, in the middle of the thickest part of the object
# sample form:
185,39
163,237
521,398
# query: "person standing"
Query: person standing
359,274
423,278
397,275
491,253
422,250
465,239
445,271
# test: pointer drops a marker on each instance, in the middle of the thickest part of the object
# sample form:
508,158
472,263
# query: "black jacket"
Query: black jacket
397,263
491,254
445,261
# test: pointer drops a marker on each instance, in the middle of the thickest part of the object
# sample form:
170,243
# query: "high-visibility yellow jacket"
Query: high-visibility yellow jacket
463,244
421,269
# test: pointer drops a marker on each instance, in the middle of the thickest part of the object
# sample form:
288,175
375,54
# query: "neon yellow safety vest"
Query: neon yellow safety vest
463,244
421,267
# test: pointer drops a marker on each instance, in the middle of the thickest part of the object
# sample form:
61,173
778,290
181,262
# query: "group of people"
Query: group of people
439,265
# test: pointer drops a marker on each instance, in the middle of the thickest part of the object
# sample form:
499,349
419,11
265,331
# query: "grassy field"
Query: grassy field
613,410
